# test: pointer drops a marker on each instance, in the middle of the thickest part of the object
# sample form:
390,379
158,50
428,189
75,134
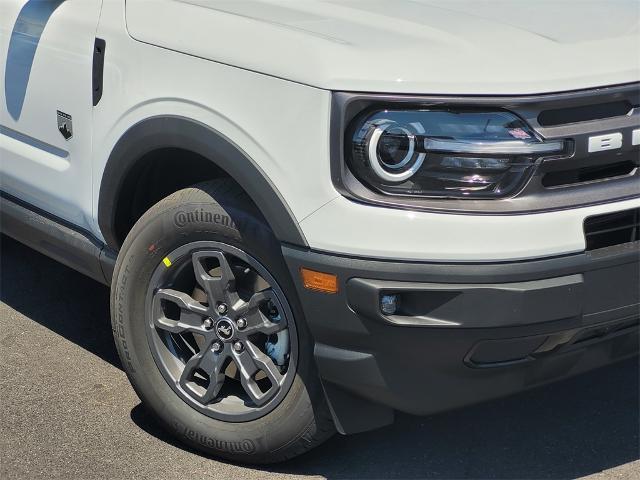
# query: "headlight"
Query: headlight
445,153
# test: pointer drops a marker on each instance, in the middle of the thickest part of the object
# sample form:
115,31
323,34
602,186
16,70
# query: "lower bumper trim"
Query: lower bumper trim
464,333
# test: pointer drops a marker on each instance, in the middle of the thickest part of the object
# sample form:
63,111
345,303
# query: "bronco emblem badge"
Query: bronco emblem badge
224,329
65,125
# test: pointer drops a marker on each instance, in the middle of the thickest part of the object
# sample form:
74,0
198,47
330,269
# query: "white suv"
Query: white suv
313,214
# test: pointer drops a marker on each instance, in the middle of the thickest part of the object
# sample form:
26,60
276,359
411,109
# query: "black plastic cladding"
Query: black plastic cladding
533,197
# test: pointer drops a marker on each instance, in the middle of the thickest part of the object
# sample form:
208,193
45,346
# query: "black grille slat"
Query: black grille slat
583,174
584,113
611,229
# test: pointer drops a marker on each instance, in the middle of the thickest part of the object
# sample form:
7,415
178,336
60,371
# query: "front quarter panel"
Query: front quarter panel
283,127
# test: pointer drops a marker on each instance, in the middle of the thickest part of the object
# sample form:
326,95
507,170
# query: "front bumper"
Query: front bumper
464,333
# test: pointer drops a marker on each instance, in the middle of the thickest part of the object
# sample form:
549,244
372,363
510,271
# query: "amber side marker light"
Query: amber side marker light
319,281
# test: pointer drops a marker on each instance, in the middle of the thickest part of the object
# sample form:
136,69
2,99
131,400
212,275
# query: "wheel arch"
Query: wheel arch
173,132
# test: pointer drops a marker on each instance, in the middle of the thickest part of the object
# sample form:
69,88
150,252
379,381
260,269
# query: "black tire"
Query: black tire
301,420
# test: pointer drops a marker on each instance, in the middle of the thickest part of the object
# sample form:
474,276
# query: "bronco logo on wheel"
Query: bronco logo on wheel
224,329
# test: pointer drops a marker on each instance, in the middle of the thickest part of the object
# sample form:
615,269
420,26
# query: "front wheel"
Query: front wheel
209,332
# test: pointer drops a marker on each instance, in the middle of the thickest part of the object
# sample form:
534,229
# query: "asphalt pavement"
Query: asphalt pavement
67,410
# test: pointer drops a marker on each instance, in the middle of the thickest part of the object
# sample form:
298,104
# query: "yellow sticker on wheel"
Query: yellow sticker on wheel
166,261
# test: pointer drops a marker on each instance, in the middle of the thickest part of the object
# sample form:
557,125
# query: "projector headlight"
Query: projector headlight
445,153
392,151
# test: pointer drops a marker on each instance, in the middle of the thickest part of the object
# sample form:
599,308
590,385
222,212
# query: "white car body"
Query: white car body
438,201
282,60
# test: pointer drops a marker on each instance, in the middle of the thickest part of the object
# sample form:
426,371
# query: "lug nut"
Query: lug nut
207,323
216,347
221,308
238,347
242,323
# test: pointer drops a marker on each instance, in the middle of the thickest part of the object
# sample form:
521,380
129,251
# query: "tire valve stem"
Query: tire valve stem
273,312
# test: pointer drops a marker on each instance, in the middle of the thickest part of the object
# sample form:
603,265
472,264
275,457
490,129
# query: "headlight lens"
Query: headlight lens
393,146
445,153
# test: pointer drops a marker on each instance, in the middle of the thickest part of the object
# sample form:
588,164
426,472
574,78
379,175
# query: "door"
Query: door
46,103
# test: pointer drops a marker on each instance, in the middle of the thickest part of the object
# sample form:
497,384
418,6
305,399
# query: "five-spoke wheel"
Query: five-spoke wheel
220,331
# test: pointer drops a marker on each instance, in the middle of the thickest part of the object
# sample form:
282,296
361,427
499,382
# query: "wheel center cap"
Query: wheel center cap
224,329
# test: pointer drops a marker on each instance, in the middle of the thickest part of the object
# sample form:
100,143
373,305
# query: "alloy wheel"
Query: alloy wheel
221,331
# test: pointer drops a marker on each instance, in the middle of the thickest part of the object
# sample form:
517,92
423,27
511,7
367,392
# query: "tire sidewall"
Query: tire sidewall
169,225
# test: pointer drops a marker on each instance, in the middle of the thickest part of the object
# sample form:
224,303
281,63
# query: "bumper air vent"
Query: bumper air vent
612,229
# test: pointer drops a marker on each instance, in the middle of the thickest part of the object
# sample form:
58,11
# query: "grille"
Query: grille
578,118
612,229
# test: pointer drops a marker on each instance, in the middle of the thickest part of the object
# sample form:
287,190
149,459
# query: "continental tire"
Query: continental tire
209,329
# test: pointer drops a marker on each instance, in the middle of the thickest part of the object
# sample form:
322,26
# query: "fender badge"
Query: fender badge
65,125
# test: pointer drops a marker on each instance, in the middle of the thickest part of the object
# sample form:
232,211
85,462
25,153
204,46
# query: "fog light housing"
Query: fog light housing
389,304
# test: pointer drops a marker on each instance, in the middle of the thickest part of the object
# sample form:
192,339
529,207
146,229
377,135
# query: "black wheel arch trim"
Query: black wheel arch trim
178,132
